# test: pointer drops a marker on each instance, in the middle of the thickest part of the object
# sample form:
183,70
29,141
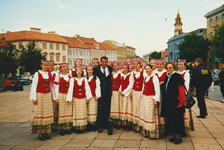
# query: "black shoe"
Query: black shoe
94,128
67,132
206,114
200,116
62,132
47,137
42,137
89,127
172,139
178,140
183,134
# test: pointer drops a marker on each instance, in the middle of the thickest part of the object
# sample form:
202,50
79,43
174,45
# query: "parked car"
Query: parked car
31,78
25,77
21,79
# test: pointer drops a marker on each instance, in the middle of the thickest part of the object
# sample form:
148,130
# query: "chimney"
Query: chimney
8,31
76,36
51,32
35,29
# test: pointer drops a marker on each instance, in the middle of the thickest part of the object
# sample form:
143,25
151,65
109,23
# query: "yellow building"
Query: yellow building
215,18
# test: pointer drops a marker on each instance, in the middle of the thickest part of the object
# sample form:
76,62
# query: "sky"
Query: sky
143,24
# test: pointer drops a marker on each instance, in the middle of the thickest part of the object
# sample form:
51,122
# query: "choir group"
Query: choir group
67,100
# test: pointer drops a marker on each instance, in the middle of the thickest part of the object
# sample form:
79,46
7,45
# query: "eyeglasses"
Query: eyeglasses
169,67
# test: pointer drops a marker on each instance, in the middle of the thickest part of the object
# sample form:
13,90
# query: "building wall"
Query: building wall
212,22
121,54
74,53
130,52
97,54
111,55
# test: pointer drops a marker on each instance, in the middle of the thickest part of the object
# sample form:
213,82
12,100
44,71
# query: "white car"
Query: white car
31,78
25,77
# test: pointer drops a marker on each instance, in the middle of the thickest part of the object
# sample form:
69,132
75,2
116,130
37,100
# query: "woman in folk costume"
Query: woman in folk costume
125,100
94,84
40,94
128,61
54,92
188,119
149,117
153,64
138,77
78,95
115,98
78,63
65,109
95,62
130,67
143,64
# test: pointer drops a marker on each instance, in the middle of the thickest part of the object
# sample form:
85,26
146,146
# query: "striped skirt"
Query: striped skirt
42,114
136,107
149,118
92,110
125,108
115,105
79,113
55,112
188,120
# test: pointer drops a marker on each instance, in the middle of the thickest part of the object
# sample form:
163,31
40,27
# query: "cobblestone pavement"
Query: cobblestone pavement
15,112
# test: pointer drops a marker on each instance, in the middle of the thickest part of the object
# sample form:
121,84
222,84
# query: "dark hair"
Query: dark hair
199,60
172,63
149,65
103,57
75,75
127,65
87,77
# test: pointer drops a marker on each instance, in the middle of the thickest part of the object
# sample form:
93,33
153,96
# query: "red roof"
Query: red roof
106,46
32,36
74,42
90,42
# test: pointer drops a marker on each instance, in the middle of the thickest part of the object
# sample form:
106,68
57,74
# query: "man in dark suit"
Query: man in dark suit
103,72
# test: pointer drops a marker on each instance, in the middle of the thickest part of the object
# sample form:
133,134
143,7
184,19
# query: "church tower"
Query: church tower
178,24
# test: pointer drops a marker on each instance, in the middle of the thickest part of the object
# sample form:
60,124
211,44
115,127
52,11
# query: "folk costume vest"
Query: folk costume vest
92,85
79,90
63,86
149,87
43,84
162,77
115,82
138,82
125,82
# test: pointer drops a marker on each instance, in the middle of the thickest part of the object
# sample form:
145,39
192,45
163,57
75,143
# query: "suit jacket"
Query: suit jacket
105,82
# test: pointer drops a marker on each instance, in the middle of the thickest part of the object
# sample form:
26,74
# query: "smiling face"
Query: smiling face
159,65
125,69
44,66
131,68
103,63
95,63
153,64
51,67
64,69
181,66
148,70
115,67
79,72
78,63
169,68
136,65
90,72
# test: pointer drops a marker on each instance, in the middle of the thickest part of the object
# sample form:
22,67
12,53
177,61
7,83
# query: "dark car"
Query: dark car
21,79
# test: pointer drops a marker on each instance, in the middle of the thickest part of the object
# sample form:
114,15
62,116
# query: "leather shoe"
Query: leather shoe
200,116
100,130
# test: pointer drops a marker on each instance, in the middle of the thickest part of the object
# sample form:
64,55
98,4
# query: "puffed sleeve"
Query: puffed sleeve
33,90
187,80
70,90
56,87
98,88
144,74
87,90
128,90
157,88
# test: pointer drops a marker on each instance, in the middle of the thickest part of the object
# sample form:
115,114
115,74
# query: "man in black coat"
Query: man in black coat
201,79
221,76
103,72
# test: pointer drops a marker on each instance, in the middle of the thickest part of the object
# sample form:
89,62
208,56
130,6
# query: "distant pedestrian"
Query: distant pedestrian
213,81
221,76
8,86
202,80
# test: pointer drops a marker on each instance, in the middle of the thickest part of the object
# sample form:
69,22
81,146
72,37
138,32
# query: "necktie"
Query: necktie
104,72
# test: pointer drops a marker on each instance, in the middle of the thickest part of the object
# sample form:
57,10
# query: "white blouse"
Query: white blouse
128,90
156,84
71,88
137,74
65,77
160,73
33,90
98,88
54,87
186,78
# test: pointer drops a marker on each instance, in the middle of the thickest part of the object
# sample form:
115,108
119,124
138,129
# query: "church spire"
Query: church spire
178,24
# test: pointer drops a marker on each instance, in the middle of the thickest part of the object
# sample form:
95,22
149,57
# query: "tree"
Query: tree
31,57
218,43
194,46
9,58
155,54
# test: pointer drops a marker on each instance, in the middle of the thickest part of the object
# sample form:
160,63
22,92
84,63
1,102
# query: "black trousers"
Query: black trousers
200,91
222,89
103,111
175,121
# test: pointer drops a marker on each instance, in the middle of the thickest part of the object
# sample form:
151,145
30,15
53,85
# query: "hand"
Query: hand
96,98
160,83
87,101
56,101
70,102
184,104
131,95
155,103
190,89
34,102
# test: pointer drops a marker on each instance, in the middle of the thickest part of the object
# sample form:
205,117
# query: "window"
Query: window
63,47
211,22
51,46
70,52
44,45
80,53
217,21
57,46
57,57
51,57
73,52
71,62
64,59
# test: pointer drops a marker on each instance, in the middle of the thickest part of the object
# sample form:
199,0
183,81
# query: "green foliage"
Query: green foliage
155,54
218,43
8,58
31,57
194,46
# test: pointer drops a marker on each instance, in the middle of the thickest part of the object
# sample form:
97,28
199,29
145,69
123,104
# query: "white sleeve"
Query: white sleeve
144,74
33,90
143,86
187,80
70,90
128,90
56,87
157,88
87,90
98,88
70,73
